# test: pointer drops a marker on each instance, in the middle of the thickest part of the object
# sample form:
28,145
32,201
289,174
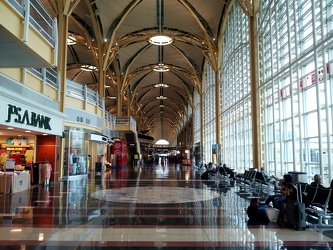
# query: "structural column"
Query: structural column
217,108
254,91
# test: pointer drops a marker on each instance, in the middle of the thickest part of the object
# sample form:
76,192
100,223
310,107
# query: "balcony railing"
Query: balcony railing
125,123
38,17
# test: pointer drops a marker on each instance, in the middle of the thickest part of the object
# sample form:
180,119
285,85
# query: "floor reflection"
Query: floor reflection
158,206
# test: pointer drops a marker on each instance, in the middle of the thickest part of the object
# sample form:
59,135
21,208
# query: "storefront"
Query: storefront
85,144
84,151
29,134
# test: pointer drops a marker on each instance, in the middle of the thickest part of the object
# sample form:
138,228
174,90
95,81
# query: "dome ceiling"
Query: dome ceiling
113,35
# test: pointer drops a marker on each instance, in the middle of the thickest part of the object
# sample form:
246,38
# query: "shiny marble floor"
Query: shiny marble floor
163,206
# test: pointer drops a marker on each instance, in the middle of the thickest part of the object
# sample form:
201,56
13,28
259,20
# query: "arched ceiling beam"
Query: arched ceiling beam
68,6
84,26
209,37
147,99
176,89
135,87
74,54
150,67
115,26
89,35
173,100
178,35
152,111
156,121
190,61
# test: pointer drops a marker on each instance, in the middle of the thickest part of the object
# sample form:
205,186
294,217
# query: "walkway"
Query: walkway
164,206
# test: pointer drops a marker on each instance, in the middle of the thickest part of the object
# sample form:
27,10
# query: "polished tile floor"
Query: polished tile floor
163,206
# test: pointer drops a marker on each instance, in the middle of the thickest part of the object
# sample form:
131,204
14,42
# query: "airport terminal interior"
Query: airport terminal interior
112,110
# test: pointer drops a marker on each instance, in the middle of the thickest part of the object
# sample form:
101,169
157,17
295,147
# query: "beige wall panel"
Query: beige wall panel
13,73
123,127
34,83
100,113
13,23
51,92
38,44
91,108
11,20
74,103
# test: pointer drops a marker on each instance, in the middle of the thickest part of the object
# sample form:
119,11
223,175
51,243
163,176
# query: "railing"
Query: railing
126,120
35,14
110,118
82,92
48,75
75,90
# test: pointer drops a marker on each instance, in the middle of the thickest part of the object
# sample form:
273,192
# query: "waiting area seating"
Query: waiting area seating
317,200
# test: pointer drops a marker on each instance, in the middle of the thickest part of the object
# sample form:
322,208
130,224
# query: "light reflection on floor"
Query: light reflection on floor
157,207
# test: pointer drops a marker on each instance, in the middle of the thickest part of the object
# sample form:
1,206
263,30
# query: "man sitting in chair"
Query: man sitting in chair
211,168
224,170
264,174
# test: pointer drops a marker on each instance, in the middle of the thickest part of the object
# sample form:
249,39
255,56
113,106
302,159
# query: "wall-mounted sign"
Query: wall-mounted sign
98,138
18,115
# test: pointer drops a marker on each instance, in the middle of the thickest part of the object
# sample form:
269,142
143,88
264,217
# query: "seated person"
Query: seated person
228,171
317,181
278,199
211,168
290,195
264,174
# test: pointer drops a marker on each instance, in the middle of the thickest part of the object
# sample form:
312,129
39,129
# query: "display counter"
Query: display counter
10,183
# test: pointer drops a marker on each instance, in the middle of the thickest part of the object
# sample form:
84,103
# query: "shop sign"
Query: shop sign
26,117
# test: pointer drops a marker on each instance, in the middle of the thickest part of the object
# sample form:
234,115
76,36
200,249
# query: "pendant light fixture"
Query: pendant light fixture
160,39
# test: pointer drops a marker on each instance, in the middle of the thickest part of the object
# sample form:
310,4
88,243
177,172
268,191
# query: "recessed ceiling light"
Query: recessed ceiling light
10,128
161,97
27,131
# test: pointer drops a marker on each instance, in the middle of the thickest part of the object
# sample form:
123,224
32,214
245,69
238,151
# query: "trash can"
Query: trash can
299,176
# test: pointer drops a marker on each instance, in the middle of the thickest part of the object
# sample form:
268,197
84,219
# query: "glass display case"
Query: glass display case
75,153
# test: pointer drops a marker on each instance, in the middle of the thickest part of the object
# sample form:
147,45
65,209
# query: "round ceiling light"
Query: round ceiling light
71,40
160,40
161,85
88,67
161,68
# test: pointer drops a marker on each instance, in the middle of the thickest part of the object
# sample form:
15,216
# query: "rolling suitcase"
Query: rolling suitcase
295,213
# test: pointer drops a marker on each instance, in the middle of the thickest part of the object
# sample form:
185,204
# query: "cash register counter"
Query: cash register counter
10,183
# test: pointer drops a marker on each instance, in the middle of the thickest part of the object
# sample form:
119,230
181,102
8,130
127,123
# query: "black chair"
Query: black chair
318,207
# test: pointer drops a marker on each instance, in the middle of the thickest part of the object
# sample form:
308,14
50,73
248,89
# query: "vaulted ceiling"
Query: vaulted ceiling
113,36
